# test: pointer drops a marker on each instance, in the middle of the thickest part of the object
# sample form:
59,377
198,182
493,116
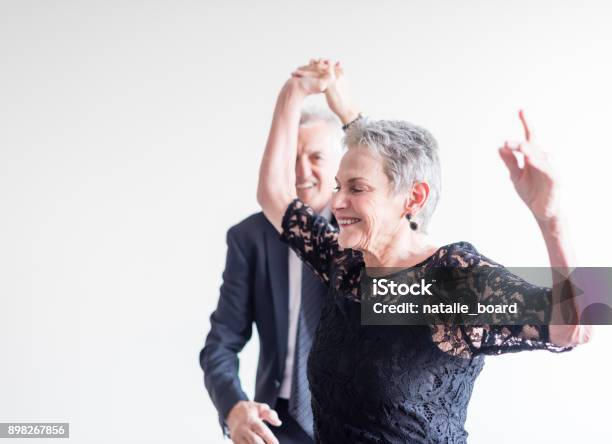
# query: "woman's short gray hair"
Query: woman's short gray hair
409,153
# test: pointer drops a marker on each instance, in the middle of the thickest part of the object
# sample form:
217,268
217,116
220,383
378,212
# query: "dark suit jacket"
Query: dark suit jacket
255,289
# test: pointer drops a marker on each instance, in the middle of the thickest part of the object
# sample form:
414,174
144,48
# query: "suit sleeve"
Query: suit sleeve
230,329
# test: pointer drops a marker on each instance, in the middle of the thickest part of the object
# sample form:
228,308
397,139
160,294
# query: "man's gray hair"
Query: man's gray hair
312,115
409,153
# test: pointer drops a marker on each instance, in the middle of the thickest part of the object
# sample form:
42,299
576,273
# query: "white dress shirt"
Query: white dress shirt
295,299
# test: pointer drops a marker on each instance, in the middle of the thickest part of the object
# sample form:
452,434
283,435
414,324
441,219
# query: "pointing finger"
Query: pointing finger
525,125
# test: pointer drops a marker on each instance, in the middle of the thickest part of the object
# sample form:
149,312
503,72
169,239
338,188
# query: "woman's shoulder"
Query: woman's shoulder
461,254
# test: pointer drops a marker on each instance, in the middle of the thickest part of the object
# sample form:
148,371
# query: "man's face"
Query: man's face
316,164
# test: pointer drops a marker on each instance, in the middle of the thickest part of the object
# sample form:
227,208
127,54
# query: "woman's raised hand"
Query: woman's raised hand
535,181
321,75
339,98
315,77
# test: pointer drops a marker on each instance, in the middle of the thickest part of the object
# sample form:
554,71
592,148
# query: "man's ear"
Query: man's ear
417,198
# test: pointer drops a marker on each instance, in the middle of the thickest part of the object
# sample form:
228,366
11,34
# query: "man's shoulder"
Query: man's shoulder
252,228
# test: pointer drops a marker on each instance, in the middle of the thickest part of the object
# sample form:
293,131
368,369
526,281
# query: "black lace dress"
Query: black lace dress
396,384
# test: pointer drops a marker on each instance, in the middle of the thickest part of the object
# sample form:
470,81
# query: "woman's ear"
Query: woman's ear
417,198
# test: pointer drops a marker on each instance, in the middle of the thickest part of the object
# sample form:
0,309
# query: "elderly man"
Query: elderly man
265,283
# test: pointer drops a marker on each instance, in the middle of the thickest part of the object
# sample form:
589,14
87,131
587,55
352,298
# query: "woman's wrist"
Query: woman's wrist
349,116
346,126
340,103
558,246
551,226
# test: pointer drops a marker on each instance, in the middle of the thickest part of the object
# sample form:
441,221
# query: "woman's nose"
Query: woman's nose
338,201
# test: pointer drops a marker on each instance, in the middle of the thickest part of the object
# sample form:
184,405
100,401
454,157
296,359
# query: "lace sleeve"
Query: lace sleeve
497,285
312,237
494,284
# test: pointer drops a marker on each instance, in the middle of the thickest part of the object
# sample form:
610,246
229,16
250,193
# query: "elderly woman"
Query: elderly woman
392,384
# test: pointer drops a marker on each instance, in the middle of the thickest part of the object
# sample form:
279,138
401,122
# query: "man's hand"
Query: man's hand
246,423
315,77
332,81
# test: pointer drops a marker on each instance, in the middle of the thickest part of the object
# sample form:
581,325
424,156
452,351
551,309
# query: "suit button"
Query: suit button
277,383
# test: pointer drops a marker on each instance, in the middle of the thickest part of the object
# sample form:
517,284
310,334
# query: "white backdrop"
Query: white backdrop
130,134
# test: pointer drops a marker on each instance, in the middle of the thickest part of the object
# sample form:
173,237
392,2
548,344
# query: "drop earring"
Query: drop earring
413,224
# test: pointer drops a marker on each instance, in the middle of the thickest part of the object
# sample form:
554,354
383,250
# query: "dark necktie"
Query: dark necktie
310,308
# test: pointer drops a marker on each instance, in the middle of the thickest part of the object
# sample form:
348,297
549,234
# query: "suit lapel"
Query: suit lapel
277,256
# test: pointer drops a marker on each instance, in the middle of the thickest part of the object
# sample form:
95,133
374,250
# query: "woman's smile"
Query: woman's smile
348,221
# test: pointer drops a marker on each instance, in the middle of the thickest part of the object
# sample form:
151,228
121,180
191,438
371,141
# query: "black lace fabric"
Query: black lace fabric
398,384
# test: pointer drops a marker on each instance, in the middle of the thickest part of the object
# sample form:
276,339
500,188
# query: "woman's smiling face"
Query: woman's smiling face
368,211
